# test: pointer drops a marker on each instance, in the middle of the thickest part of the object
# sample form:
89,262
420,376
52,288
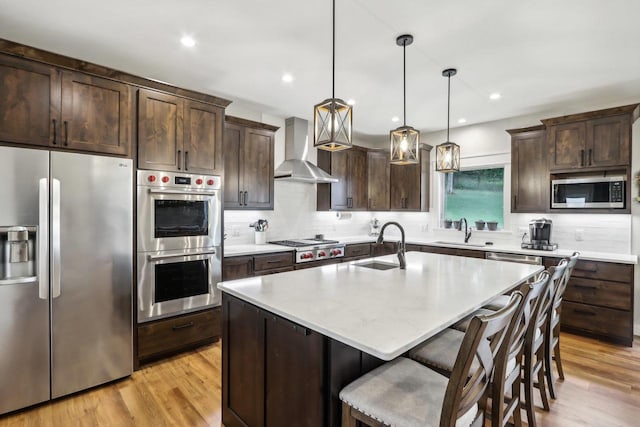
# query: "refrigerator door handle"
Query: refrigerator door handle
43,236
55,238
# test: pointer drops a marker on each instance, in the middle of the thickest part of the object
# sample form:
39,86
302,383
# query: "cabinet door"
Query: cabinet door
160,134
567,146
257,169
29,102
237,267
405,187
378,171
357,190
95,114
233,136
340,189
529,176
202,138
608,141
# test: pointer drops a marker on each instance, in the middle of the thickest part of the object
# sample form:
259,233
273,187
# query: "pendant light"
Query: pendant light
405,140
332,117
448,153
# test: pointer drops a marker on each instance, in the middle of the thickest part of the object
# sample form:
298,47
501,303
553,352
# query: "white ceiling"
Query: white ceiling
569,55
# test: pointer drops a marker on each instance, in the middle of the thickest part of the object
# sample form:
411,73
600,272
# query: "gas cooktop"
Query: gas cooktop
297,243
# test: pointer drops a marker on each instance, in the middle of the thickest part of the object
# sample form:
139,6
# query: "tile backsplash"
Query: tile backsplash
295,216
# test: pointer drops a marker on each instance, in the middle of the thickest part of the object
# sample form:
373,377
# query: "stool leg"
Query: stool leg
347,419
556,352
548,364
515,397
528,391
541,384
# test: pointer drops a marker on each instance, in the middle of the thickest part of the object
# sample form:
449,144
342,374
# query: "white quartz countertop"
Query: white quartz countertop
235,250
383,313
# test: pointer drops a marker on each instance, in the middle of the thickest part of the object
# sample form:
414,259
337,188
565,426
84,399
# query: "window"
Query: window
475,194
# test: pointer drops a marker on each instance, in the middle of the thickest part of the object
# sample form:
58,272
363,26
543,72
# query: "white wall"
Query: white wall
295,215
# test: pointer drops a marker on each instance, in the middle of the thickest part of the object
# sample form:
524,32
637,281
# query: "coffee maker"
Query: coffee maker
540,235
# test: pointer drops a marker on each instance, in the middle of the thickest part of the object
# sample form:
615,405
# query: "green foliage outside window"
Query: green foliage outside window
475,194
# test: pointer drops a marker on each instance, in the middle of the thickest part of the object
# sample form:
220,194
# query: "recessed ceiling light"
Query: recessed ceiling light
188,41
287,78
462,120
495,96
351,102
395,119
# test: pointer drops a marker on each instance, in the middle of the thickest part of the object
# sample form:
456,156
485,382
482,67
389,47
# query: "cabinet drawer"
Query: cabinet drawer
386,248
470,253
599,320
598,292
172,334
358,250
275,270
272,261
439,250
604,271
237,267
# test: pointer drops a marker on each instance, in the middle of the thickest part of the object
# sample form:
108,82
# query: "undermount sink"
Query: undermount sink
377,265
476,245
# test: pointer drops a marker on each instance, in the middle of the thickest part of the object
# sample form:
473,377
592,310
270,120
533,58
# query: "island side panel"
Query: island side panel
273,370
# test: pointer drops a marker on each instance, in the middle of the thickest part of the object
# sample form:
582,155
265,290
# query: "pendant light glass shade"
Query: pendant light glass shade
332,125
404,145
405,140
332,117
448,153
448,157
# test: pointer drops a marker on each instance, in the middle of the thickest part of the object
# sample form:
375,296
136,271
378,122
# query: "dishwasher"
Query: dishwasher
519,258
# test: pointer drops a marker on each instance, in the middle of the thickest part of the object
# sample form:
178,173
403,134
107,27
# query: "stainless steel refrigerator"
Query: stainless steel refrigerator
66,277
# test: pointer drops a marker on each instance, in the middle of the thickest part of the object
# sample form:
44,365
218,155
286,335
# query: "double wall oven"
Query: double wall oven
179,243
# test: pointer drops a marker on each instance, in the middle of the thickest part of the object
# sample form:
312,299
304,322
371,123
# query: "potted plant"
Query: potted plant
447,223
480,224
456,225
492,225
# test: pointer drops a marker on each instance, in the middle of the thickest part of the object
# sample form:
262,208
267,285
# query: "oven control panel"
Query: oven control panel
318,254
178,181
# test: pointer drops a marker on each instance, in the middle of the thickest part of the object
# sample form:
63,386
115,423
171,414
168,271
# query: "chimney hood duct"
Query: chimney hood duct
296,167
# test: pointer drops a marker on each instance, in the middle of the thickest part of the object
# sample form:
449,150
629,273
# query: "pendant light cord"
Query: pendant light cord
333,60
404,80
448,103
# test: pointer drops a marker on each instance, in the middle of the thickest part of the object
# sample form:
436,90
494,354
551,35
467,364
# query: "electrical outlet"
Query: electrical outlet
235,230
579,234
425,228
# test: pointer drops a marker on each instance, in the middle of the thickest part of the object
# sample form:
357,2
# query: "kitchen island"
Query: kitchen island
292,340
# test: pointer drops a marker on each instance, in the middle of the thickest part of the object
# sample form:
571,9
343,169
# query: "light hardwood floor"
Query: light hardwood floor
602,388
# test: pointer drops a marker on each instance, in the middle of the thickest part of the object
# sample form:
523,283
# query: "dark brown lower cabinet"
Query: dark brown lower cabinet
277,373
162,337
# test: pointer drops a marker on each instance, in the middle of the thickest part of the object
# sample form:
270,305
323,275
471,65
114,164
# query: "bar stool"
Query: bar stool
405,393
552,339
438,352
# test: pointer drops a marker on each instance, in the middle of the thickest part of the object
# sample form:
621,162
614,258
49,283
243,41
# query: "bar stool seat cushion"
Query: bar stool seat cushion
402,393
498,303
463,325
441,351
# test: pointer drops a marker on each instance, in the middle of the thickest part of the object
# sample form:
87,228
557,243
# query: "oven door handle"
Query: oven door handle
167,256
184,193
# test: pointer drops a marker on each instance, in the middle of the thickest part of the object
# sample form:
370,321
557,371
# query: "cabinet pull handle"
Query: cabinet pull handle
246,196
585,312
179,159
186,160
590,155
240,198
586,287
274,262
581,157
55,134
186,325
369,203
66,133
515,201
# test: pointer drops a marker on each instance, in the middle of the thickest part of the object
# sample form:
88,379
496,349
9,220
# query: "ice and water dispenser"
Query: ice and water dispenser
17,254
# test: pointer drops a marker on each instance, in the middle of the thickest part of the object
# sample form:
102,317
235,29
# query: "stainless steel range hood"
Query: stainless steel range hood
296,167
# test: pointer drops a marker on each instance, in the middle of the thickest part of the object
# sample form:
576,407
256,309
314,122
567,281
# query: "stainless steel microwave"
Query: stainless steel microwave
589,192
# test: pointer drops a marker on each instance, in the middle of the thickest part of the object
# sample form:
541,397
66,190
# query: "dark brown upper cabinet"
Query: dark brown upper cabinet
593,140
248,164
529,173
409,184
378,173
29,101
350,168
46,106
178,134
